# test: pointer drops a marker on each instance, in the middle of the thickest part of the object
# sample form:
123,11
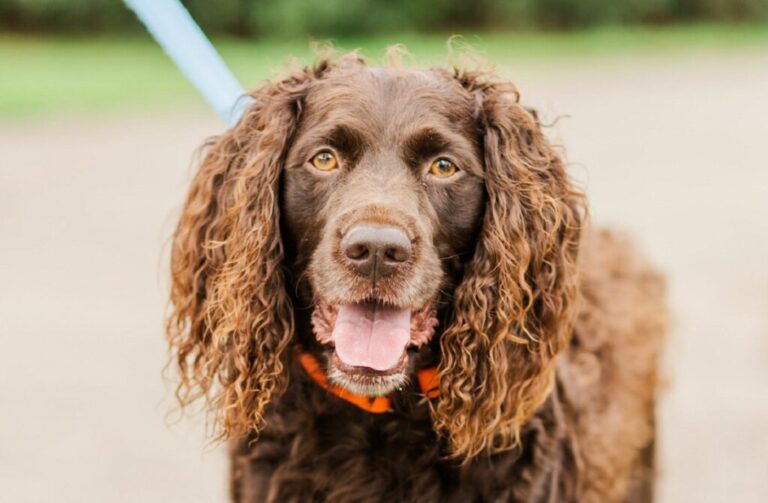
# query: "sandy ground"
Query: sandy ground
671,149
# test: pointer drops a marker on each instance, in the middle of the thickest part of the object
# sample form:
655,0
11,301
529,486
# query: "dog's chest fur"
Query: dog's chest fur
318,448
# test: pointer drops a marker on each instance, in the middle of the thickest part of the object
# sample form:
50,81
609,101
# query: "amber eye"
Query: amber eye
325,161
443,168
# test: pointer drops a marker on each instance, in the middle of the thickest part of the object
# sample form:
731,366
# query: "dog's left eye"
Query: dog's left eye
443,168
325,161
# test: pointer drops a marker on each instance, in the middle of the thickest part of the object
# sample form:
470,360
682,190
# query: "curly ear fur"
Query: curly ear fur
232,319
514,310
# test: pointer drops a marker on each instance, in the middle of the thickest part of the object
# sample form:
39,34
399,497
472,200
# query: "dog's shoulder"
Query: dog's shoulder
622,294
609,373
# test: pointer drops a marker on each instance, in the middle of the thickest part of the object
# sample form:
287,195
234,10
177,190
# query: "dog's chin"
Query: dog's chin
366,381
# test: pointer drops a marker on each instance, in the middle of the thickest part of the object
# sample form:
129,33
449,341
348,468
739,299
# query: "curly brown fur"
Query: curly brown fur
516,305
547,338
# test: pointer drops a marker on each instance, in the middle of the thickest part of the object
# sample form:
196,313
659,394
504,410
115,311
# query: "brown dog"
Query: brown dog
379,290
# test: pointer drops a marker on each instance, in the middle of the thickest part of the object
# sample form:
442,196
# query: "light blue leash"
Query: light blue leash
186,44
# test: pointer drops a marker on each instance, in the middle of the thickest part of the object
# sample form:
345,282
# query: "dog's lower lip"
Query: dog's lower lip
369,372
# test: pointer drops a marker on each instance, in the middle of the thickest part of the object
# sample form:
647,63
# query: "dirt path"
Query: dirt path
671,149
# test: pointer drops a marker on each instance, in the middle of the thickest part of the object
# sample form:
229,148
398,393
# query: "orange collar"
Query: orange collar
428,382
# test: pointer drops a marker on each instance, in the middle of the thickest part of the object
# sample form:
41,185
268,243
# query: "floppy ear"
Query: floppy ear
514,309
232,319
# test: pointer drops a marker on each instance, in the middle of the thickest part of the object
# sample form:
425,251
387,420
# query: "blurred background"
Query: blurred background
661,109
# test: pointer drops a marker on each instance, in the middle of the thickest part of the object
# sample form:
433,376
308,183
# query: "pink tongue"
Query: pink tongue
371,336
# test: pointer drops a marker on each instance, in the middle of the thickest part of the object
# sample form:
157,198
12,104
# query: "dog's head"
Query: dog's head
369,213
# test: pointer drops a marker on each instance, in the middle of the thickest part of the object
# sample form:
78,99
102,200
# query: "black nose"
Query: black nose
376,251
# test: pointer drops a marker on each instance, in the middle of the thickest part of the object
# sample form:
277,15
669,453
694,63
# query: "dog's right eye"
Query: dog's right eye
325,161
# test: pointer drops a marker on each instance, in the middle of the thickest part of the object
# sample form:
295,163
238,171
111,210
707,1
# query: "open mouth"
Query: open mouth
370,342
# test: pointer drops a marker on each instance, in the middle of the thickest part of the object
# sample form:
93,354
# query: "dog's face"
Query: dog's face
382,199
350,210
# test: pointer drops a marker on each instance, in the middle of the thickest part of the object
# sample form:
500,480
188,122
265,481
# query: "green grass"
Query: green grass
40,75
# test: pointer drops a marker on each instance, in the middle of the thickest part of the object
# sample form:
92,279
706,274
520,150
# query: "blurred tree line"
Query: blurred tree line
356,17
